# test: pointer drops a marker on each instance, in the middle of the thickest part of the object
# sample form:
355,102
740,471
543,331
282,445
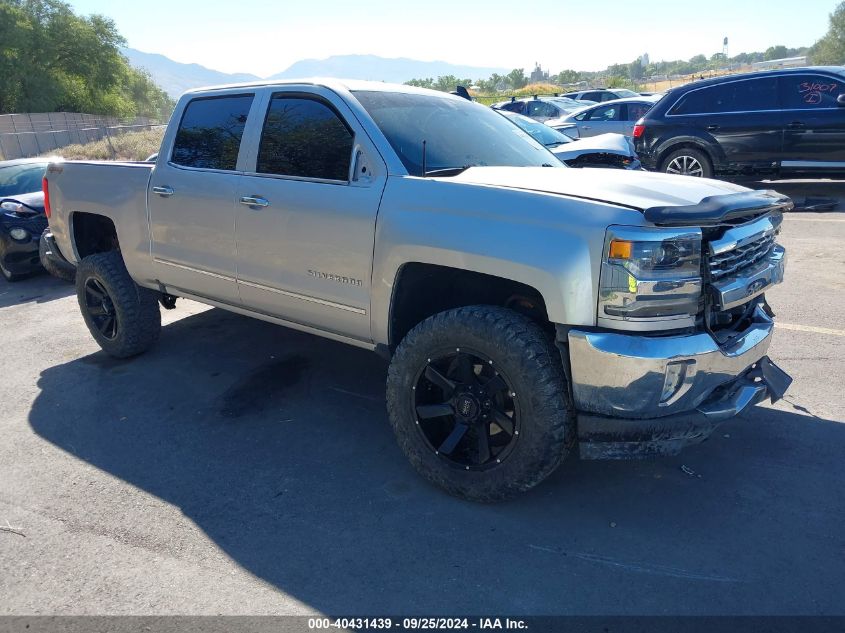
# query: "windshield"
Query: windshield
18,179
624,92
540,132
457,133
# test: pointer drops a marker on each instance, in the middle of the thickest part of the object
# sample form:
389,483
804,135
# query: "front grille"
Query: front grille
733,262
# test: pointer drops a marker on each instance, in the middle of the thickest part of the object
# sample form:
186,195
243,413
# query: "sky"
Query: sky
264,37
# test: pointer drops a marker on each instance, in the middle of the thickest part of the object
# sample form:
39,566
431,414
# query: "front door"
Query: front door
814,137
306,214
192,199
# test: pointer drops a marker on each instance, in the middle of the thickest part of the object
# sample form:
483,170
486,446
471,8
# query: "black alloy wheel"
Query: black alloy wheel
101,308
466,409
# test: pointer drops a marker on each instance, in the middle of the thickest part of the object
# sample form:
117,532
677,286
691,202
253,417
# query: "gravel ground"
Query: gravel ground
242,468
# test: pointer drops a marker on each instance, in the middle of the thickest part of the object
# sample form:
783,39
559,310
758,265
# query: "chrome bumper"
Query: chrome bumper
631,376
638,396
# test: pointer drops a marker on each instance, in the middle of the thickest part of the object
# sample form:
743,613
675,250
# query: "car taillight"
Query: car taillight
46,188
639,130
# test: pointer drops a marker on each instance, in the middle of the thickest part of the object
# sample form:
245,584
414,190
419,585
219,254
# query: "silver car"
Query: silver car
616,117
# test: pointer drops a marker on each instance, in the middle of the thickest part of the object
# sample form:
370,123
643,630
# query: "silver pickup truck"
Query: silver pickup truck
527,309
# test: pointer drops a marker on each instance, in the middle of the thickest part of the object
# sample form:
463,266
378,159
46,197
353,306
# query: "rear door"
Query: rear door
742,117
306,212
192,198
815,124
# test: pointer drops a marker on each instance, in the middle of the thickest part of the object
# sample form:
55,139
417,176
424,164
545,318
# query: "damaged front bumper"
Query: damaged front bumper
645,395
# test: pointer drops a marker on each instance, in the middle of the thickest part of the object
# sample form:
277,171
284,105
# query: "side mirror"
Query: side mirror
841,100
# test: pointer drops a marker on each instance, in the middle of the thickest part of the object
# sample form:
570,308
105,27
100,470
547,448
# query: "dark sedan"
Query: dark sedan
22,218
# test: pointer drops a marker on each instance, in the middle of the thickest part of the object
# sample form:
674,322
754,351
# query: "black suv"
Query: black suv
765,122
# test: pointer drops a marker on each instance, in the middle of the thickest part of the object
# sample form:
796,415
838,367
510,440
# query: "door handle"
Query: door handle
712,128
795,125
164,192
255,201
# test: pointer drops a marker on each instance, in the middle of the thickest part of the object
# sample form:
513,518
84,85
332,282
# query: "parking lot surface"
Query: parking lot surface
242,468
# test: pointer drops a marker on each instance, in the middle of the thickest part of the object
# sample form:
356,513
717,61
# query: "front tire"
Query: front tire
688,161
479,403
122,317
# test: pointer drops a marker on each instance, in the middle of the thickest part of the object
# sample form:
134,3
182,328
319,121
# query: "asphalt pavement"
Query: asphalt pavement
242,468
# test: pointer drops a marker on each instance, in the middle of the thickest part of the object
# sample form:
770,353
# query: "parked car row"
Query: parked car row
617,117
604,150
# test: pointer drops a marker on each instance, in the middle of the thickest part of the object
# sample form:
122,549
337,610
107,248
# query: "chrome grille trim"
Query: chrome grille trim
742,247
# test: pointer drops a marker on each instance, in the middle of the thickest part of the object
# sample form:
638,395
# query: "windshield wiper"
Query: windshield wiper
447,171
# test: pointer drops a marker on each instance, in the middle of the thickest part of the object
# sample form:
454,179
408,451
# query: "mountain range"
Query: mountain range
175,77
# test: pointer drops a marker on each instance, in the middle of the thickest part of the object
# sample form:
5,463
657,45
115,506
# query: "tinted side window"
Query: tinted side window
605,113
209,135
541,108
636,111
734,96
810,91
592,96
306,138
516,106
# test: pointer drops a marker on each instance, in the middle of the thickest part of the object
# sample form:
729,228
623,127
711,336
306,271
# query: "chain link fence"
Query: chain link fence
26,135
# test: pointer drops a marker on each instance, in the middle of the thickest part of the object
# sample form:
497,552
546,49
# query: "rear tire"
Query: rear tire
62,270
122,317
515,370
688,161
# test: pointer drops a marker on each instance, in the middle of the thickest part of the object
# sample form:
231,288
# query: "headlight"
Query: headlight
19,234
8,205
650,278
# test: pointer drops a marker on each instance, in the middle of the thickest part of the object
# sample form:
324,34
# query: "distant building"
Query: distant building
786,62
644,60
538,75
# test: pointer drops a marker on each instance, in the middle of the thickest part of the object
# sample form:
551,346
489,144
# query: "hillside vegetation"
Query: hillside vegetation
52,60
128,146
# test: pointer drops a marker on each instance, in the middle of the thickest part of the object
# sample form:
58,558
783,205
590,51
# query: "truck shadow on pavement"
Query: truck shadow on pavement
276,445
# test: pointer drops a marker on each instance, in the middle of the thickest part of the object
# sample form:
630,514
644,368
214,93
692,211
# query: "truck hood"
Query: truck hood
633,189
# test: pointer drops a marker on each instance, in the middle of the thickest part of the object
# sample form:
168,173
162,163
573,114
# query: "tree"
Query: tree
776,52
54,60
516,79
831,48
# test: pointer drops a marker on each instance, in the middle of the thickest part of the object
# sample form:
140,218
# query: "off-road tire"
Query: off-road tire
527,354
136,308
59,269
699,155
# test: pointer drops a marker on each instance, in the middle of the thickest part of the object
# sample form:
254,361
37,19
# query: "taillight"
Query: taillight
639,130
45,187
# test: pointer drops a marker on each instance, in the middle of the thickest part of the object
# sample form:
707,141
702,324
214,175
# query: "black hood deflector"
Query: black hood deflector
719,209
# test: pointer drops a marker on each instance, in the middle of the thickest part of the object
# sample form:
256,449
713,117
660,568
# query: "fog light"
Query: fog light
19,234
678,379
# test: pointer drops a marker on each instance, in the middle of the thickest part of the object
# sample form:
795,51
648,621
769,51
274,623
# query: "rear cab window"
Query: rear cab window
747,95
810,91
210,132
